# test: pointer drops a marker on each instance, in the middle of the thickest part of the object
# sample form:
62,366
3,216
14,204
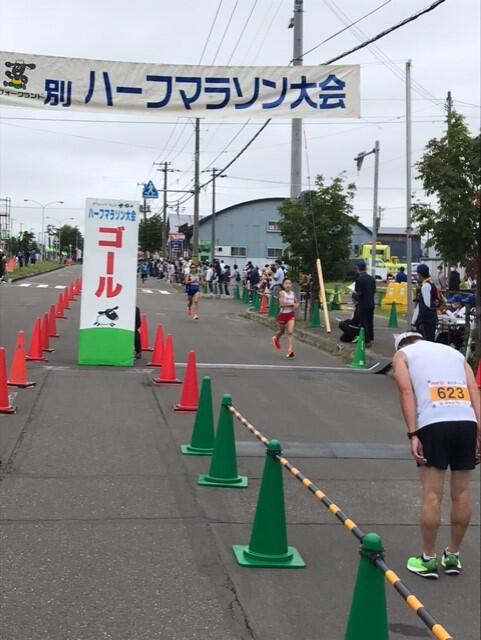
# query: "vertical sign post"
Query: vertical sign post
107,316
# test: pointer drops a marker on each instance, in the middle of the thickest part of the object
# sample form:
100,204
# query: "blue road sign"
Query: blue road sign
149,190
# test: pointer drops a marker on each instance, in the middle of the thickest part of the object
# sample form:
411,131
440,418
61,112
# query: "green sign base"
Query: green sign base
106,346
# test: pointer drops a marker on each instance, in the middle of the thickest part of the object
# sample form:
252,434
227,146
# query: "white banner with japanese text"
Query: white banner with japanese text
324,91
109,282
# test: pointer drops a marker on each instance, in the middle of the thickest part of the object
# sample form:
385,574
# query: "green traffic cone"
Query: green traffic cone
253,301
359,359
245,295
315,316
379,297
392,323
257,301
268,543
273,307
223,465
368,614
216,288
202,438
336,300
236,292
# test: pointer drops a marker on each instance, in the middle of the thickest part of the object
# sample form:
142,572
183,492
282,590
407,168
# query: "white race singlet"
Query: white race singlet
439,381
287,297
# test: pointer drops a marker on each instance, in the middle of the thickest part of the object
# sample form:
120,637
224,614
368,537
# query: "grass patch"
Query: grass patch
34,269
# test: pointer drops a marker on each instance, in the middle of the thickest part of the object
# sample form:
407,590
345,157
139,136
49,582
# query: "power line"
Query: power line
225,31
366,15
380,35
242,31
210,31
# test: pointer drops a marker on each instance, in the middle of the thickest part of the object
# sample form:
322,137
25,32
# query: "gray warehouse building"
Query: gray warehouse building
249,231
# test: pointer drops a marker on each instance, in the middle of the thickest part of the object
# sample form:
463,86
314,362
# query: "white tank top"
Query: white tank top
439,382
287,298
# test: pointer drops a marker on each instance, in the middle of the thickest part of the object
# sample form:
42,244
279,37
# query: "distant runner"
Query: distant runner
286,318
192,282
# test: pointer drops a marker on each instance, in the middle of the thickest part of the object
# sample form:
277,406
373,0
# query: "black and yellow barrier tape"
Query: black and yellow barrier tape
413,603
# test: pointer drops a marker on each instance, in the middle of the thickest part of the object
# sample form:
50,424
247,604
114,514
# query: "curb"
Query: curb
320,342
36,275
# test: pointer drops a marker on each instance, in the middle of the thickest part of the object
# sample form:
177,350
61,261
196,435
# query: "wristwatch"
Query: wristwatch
411,434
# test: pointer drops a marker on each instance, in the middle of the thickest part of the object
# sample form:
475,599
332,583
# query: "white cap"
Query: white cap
398,337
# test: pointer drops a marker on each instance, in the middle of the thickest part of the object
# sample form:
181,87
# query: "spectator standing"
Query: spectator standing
425,316
401,275
454,282
364,291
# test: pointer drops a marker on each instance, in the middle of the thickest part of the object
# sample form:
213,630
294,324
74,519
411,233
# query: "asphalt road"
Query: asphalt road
105,533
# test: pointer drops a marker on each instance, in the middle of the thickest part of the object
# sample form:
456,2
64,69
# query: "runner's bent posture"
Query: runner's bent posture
192,281
441,407
287,317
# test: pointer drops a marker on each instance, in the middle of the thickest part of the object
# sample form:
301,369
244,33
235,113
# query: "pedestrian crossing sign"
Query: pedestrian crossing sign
149,190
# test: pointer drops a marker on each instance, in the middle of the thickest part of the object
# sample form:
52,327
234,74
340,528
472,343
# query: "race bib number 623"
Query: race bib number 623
449,393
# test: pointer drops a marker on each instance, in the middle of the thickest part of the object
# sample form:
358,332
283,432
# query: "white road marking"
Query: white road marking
60,286
147,291
25,284
162,291
166,293
42,286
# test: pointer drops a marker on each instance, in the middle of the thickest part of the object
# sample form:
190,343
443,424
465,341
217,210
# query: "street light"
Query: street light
59,222
42,233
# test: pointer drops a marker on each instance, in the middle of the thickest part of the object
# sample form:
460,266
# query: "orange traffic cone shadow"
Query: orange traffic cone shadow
52,323
144,333
60,311
45,337
158,348
189,396
18,370
5,406
167,370
35,351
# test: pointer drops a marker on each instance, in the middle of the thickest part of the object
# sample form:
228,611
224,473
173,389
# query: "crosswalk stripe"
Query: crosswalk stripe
166,293
42,286
25,284
147,291
60,286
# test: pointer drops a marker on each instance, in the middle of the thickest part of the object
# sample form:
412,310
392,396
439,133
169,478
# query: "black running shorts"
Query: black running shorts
450,444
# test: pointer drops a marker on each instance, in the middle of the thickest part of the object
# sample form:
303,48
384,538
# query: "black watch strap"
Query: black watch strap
411,434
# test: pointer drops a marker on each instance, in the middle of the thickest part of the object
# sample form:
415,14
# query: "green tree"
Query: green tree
319,222
70,237
23,242
450,171
150,234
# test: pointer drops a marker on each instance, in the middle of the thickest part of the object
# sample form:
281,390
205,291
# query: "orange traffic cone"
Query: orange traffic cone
167,370
45,337
66,299
5,406
478,375
18,370
74,289
158,348
264,304
52,323
70,292
144,333
189,396
60,312
35,350
80,285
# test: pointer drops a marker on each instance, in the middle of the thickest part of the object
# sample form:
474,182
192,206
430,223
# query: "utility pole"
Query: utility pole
216,173
359,160
296,126
409,231
164,167
195,235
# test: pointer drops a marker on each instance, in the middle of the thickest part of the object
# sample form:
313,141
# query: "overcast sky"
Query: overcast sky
46,156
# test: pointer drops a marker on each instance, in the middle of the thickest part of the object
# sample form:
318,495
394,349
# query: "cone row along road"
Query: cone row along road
106,533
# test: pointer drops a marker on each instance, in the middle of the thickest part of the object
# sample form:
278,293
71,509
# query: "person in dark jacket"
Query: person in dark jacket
425,316
364,291
137,344
350,327
401,275
454,282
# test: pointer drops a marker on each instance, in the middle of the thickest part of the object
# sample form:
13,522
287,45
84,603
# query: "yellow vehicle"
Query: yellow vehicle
386,265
